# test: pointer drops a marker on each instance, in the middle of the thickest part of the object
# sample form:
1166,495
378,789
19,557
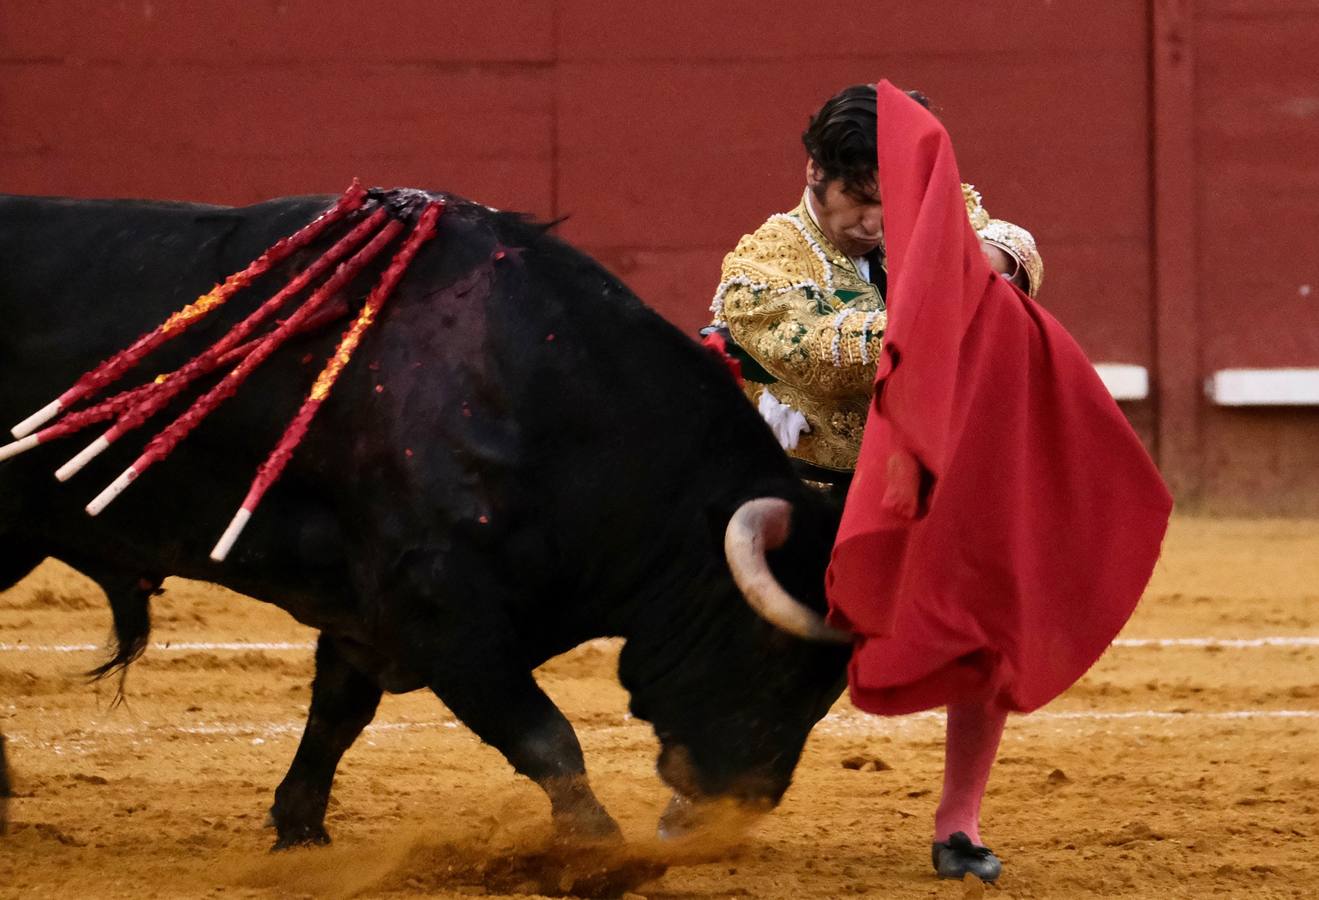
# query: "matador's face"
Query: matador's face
853,221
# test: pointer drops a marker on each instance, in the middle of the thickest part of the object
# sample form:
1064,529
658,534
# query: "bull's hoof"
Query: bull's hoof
308,836
680,819
586,828
958,857
706,823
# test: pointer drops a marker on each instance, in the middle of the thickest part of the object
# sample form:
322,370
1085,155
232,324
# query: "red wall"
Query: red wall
1256,102
665,131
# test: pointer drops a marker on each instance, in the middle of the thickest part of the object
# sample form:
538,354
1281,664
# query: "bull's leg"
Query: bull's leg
343,702
493,694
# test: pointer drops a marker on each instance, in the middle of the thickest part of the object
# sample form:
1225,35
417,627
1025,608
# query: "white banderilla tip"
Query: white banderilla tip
89,453
37,419
116,488
230,536
19,446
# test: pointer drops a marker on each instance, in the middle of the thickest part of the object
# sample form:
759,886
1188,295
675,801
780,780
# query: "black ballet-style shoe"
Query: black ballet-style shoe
957,856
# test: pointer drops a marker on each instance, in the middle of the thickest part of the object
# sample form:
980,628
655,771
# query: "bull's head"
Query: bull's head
734,714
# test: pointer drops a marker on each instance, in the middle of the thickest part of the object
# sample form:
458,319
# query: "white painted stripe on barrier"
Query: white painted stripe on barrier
604,643
1124,381
1264,387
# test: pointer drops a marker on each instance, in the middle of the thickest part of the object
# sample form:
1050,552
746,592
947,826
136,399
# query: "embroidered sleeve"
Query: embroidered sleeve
1018,243
1012,239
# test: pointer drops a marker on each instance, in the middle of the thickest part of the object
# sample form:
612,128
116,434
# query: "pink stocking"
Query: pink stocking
974,730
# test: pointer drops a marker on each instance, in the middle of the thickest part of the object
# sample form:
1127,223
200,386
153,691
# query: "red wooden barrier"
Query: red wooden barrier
1161,150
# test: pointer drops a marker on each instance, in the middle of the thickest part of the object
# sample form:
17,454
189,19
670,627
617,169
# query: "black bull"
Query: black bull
520,457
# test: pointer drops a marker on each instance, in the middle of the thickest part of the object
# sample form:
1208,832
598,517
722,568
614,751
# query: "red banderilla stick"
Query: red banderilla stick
76,421
165,442
93,382
173,385
273,467
113,407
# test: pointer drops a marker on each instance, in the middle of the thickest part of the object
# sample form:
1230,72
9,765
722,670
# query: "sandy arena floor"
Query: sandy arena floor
1186,764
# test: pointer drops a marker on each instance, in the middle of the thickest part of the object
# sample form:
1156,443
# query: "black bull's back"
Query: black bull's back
519,457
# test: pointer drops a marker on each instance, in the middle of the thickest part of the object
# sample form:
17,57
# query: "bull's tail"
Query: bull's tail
131,612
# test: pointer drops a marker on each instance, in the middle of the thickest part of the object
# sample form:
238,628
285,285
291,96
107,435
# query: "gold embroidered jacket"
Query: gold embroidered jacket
801,309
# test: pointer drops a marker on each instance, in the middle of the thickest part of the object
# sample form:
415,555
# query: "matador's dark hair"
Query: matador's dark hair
841,136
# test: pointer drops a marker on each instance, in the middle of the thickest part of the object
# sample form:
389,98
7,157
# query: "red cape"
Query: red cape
1041,516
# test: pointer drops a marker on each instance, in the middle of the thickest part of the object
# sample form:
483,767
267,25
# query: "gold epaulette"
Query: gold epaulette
975,208
1018,243
1012,239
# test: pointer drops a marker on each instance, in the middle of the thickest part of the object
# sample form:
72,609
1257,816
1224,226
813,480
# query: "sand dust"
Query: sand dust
1169,771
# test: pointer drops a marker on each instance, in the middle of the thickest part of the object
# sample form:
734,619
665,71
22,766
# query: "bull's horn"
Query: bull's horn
757,526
